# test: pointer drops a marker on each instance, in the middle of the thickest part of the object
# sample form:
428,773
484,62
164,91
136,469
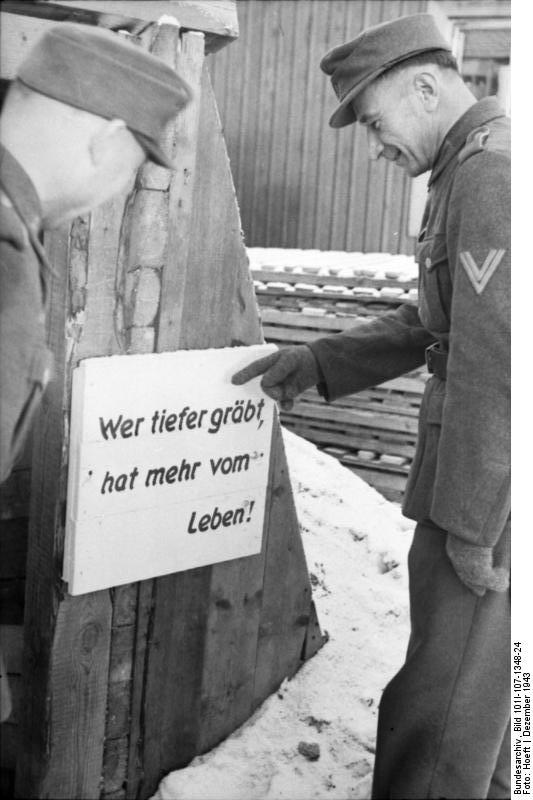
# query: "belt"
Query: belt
436,360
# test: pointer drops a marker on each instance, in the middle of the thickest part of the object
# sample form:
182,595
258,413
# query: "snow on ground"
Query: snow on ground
356,546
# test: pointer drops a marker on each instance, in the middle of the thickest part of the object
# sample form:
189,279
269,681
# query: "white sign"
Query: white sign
168,465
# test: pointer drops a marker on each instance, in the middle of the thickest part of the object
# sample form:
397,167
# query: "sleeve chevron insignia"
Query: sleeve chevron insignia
480,276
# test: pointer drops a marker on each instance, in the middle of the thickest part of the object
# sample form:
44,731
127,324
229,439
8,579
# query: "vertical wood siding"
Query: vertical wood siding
299,182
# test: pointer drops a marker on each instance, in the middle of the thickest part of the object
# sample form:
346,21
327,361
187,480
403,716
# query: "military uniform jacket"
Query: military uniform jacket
25,361
460,476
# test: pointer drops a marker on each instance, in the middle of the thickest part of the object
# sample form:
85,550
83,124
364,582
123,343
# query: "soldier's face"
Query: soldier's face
116,165
397,125
96,171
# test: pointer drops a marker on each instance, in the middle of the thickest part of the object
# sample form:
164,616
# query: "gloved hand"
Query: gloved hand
286,374
474,566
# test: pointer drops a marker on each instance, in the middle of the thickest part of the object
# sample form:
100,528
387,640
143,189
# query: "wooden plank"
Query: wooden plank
354,439
458,9
286,608
352,146
375,465
241,122
353,281
120,662
115,761
329,171
317,95
166,733
374,401
147,245
190,58
314,639
282,54
217,20
118,715
360,417
174,670
265,37
299,53
124,605
273,317
135,766
156,624
370,434
339,222
288,335
356,201
235,599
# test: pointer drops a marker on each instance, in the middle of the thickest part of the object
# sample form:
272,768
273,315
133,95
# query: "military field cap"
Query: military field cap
100,72
355,64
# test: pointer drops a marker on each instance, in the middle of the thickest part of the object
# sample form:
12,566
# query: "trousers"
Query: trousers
444,719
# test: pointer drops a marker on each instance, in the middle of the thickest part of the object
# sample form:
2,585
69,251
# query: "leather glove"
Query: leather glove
286,374
474,566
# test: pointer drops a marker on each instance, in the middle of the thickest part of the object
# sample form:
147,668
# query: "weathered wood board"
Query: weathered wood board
216,20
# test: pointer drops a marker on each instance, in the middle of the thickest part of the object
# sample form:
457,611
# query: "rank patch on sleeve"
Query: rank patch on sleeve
480,276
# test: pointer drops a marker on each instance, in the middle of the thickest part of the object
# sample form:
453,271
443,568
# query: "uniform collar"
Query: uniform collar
16,186
479,114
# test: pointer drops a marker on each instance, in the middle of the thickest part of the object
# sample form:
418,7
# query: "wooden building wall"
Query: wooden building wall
299,182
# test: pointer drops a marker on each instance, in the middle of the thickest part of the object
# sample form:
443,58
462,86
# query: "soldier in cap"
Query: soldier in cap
444,720
85,110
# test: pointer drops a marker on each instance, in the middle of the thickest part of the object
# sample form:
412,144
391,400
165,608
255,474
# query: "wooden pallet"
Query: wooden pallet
357,280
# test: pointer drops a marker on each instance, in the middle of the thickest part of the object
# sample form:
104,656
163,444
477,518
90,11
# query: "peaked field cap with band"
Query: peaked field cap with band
100,72
355,64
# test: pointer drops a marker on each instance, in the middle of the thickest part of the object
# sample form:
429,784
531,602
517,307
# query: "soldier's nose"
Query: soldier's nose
375,148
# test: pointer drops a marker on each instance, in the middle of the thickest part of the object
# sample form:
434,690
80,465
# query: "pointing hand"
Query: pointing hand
286,374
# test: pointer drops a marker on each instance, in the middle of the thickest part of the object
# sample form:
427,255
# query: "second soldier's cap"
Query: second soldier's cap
100,72
355,64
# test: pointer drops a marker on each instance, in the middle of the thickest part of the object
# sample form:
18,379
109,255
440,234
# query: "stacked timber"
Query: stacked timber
304,294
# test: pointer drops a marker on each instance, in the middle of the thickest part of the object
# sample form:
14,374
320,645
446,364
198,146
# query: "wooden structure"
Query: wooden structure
373,432
115,688
300,183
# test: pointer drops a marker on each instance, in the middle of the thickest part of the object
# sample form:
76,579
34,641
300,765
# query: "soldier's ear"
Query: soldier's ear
103,141
426,87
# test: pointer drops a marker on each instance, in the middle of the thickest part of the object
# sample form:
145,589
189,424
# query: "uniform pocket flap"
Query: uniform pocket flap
431,252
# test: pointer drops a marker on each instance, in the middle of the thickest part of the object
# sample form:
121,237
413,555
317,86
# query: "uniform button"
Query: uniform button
428,263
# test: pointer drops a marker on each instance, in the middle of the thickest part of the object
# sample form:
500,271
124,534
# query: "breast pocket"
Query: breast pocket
435,285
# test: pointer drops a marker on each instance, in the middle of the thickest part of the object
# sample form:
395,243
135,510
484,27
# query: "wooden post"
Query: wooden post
124,685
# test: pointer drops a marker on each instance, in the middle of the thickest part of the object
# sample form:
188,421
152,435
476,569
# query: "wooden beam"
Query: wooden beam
217,20
473,9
